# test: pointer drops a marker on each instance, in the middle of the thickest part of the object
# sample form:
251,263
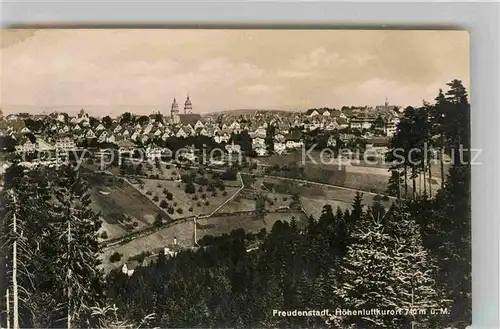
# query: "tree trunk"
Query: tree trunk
424,178
441,163
430,181
414,186
406,181
14,267
7,305
68,275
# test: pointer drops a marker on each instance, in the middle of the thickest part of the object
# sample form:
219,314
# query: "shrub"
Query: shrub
115,257
190,189
198,204
175,204
207,203
203,196
158,185
285,198
141,186
195,197
165,191
169,196
224,193
214,194
158,219
104,235
200,189
135,224
149,193
179,210
170,210
155,198
190,209
163,204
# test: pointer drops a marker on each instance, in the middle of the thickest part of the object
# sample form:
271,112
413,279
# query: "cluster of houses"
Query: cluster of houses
60,132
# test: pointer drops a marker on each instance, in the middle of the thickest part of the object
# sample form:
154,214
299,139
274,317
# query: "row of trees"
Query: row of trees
50,249
427,134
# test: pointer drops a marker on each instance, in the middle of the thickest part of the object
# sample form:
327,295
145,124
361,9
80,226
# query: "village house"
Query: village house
65,144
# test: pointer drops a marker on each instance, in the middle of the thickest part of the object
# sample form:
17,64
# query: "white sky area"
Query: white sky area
108,71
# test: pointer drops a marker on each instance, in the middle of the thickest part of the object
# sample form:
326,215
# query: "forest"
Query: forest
414,255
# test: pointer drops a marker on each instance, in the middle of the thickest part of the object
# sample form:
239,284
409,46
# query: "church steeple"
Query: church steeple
188,106
174,112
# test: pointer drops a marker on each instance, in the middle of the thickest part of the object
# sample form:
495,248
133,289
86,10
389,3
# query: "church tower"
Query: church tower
174,112
188,106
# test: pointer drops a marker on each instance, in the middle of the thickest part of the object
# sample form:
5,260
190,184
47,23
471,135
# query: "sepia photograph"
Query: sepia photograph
235,178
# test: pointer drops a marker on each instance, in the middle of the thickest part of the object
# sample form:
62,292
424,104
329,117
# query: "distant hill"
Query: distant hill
238,112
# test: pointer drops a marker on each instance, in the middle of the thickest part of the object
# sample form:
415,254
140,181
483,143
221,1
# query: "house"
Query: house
129,267
261,151
26,145
65,144
199,125
279,147
125,147
233,148
294,140
153,153
379,145
258,142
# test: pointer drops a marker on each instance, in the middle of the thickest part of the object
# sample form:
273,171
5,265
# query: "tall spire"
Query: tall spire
188,106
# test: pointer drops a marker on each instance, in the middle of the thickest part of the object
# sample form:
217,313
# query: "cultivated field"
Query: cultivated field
183,232
122,208
182,203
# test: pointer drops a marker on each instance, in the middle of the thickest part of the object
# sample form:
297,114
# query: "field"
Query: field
120,205
182,203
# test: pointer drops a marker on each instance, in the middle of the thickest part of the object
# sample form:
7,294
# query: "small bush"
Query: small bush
203,196
156,198
115,257
179,210
135,224
198,204
175,204
170,210
207,203
104,235
190,209
169,196
163,204
224,193
158,185
149,193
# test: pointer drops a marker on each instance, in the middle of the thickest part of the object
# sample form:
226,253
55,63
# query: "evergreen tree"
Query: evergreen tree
385,269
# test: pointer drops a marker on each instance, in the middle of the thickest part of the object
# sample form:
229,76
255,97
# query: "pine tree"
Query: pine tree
76,226
383,269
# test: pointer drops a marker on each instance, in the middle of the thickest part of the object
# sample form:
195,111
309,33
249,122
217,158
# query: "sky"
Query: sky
109,71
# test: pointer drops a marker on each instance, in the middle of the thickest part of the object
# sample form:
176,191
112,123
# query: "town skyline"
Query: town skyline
108,72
